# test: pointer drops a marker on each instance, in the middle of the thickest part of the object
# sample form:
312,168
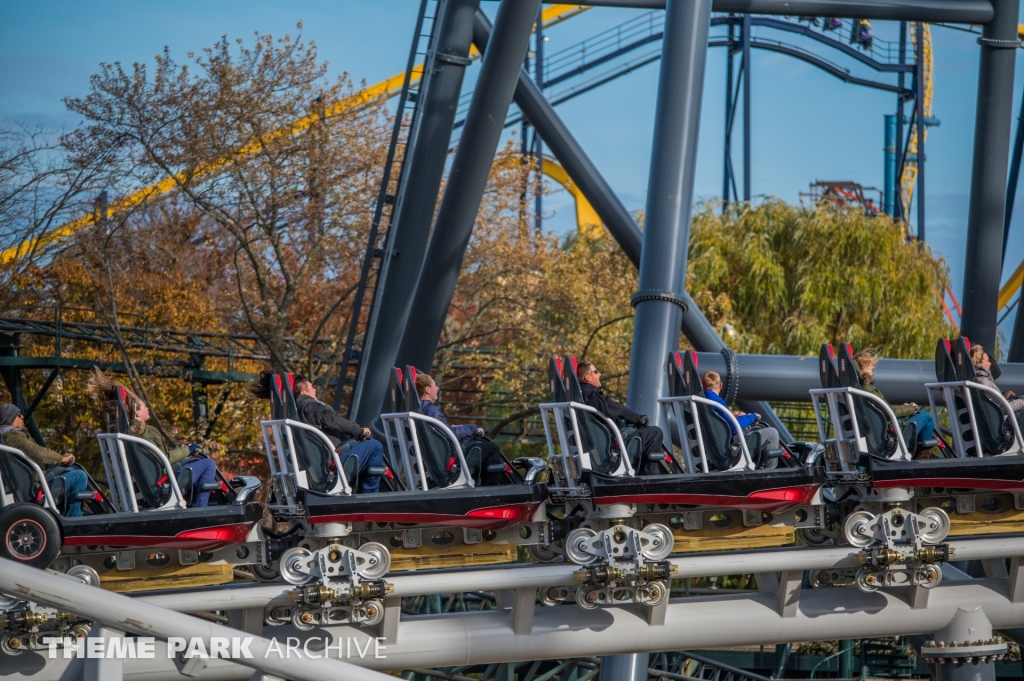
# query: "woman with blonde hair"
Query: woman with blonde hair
865,361
204,469
982,362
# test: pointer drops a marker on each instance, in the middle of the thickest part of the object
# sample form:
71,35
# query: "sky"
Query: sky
806,125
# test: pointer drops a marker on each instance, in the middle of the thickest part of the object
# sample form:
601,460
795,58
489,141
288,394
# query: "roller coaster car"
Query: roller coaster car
147,508
900,545
717,468
429,490
987,445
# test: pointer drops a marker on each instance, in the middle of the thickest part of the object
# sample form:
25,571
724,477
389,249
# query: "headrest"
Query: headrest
412,397
397,391
945,367
282,397
674,369
124,421
828,372
962,359
572,383
691,376
557,380
849,377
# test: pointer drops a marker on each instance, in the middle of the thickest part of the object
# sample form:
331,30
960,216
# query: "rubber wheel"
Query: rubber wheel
29,535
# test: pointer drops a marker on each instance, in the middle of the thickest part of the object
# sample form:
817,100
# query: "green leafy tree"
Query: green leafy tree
781,279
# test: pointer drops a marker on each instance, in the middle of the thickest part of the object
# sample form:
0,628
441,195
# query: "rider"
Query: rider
467,435
12,427
368,452
865,361
758,439
983,369
204,469
590,383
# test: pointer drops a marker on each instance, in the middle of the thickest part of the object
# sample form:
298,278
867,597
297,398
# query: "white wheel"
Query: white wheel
545,554
305,619
587,597
936,525
86,574
866,580
13,644
293,566
575,545
552,595
857,529
661,542
653,594
373,612
929,576
378,564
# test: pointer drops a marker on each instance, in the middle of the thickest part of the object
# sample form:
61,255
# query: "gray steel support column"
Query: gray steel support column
421,181
746,107
988,176
606,203
968,624
666,235
625,667
467,180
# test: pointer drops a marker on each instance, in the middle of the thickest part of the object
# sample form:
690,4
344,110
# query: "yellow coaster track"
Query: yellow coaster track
388,88
909,176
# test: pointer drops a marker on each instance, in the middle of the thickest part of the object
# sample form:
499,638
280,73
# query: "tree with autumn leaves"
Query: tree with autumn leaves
268,192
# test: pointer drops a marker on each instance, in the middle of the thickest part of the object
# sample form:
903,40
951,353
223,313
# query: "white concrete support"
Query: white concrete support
96,668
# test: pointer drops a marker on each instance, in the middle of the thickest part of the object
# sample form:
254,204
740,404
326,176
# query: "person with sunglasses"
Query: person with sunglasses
651,436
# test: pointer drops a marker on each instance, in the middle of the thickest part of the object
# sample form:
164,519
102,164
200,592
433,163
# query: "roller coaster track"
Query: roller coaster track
387,89
909,176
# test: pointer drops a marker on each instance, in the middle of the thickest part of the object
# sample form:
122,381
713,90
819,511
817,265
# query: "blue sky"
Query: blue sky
806,125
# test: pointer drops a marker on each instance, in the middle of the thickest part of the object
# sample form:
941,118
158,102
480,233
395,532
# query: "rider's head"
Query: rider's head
426,387
588,373
304,386
711,381
865,361
980,358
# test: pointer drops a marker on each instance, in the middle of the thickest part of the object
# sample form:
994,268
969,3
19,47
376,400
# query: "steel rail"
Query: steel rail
712,564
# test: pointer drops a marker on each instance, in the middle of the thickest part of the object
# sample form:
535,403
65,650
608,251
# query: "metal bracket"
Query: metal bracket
965,503
789,592
522,611
392,617
449,58
731,380
692,520
126,560
751,518
1015,580
664,296
412,538
997,44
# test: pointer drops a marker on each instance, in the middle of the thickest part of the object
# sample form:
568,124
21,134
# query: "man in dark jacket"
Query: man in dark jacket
368,452
590,383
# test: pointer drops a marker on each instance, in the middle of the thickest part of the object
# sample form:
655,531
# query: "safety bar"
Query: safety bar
119,477
45,486
672,408
284,462
831,396
399,428
563,412
947,389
